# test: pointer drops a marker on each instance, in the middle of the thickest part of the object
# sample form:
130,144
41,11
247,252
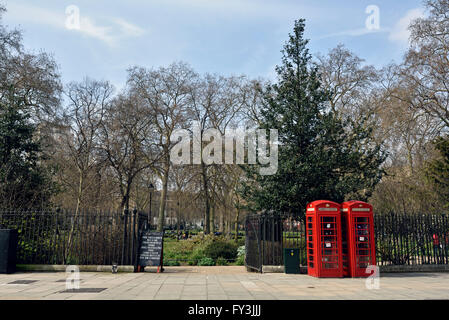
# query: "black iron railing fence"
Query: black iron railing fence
103,237
63,237
401,239
405,239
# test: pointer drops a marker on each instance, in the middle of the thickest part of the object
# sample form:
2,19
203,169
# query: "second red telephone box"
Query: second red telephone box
324,253
359,232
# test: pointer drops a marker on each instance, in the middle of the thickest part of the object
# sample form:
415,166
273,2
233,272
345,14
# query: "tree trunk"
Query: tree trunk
160,224
237,216
212,218
75,218
177,220
206,199
222,223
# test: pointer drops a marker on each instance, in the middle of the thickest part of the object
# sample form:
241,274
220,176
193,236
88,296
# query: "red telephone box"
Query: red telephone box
324,254
361,253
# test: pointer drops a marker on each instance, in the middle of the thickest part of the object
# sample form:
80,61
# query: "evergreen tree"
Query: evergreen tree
319,158
24,182
437,170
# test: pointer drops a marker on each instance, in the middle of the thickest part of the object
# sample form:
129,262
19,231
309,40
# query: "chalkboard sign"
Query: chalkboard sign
150,249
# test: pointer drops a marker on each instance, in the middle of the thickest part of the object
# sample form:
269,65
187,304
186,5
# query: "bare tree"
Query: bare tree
88,102
217,102
82,122
349,82
128,141
426,65
165,97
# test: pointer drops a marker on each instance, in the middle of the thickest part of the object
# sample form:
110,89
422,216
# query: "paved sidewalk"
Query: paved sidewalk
221,283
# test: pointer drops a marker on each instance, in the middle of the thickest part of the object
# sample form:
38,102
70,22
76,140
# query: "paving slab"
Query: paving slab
221,283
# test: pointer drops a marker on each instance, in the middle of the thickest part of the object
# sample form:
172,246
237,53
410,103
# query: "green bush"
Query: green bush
196,256
171,263
241,251
206,262
198,247
241,242
221,248
240,260
221,261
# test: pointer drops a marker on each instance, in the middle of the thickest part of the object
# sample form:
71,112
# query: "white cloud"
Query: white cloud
400,33
111,32
128,29
354,33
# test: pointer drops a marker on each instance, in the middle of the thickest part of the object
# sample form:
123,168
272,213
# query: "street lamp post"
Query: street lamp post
151,188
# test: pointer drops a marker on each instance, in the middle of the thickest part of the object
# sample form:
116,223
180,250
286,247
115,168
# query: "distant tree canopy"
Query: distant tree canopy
318,157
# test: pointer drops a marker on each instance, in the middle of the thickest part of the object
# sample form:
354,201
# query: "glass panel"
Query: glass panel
330,259
330,265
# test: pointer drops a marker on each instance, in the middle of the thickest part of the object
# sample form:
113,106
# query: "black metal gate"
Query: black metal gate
253,252
266,237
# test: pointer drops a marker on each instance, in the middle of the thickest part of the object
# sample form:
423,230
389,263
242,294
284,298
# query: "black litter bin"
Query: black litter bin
8,250
291,261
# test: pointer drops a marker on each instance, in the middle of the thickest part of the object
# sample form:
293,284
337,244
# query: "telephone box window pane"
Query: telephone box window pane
333,259
329,232
363,259
328,252
363,245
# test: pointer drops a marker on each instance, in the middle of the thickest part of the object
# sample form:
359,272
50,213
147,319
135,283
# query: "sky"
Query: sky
101,39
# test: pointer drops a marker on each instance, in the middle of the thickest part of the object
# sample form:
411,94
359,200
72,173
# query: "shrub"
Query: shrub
221,248
196,256
241,242
241,251
221,261
206,262
171,263
240,260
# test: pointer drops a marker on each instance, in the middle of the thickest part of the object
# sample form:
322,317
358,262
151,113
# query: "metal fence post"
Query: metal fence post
133,255
125,222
